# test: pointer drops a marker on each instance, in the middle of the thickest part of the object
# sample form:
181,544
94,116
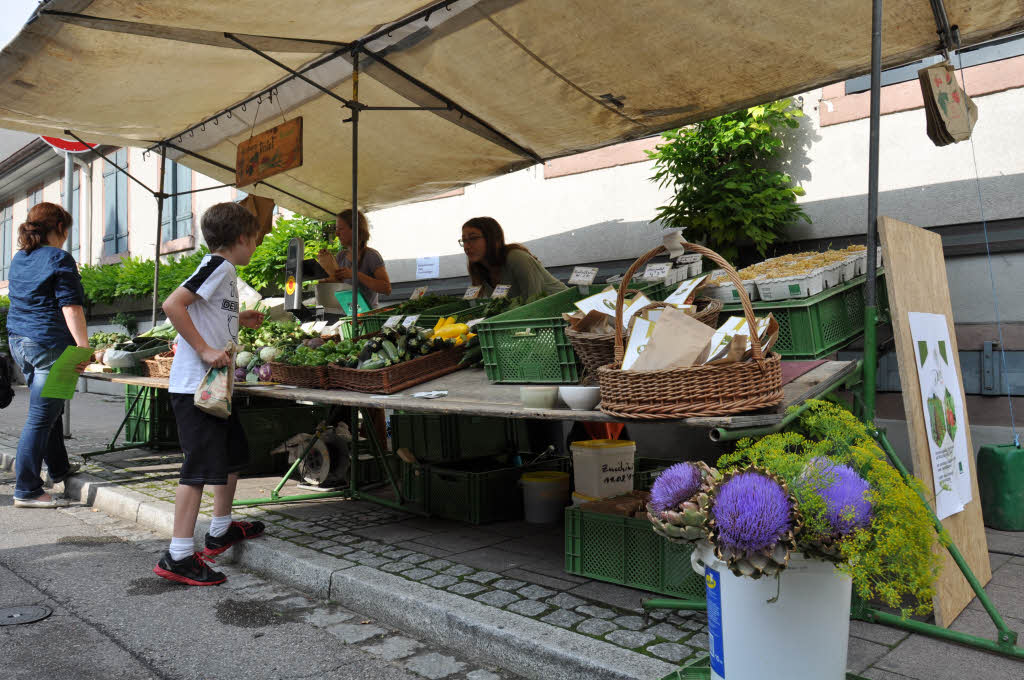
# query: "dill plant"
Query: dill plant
893,558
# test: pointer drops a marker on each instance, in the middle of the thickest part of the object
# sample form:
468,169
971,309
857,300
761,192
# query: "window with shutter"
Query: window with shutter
176,221
115,205
6,241
35,197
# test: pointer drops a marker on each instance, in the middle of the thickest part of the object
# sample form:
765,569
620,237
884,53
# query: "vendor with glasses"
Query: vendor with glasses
490,261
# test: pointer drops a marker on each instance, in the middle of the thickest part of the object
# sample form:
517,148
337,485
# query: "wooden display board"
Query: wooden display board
269,153
915,276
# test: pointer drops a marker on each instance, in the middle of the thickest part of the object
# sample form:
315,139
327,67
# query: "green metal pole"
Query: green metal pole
689,605
288,499
1001,647
1007,636
870,361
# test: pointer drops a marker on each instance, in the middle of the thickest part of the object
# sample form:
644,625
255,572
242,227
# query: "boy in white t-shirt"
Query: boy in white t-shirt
204,311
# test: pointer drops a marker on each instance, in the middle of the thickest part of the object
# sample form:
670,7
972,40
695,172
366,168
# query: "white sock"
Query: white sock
181,548
219,525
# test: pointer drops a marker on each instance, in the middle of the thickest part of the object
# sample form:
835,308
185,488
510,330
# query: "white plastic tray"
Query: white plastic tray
789,287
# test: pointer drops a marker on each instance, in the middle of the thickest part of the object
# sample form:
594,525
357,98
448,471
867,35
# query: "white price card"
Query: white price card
582,276
472,293
319,326
657,270
428,267
393,321
501,290
307,327
410,320
474,322
417,293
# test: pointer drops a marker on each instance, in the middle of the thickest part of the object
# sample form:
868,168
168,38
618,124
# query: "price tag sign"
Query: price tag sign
583,276
501,290
417,293
410,320
472,293
657,270
393,321
474,322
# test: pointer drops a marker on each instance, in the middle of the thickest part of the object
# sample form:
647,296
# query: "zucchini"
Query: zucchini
390,350
373,364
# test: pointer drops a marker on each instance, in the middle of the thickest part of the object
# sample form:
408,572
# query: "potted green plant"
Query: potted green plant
819,511
725,186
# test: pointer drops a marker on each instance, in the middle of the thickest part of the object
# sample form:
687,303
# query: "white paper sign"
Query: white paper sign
417,293
735,325
410,320
428,267
472,293
604,302
393,321
943,412
318,326
501,290
638,339
583,276
682,294
657,270
307,327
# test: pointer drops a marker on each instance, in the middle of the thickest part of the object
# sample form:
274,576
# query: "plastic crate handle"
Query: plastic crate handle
528,333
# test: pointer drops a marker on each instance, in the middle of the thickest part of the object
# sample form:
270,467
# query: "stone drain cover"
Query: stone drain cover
30,613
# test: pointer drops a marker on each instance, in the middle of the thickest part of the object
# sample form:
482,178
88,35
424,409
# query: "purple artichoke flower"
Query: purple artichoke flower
845,495
675,485
752,512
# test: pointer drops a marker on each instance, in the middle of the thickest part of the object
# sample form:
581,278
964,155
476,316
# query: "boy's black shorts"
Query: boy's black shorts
214,447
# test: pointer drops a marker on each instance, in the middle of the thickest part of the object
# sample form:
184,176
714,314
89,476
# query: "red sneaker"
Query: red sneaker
238,531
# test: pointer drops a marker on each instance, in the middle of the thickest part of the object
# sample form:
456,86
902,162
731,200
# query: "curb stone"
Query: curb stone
533,649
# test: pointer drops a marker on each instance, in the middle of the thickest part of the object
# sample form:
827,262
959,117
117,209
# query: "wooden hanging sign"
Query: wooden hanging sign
269,153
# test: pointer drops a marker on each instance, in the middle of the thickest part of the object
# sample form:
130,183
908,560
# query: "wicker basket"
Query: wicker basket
398,377
158,366
598,349
300,376
695,390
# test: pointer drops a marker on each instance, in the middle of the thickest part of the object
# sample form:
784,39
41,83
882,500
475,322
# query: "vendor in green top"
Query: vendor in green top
491,261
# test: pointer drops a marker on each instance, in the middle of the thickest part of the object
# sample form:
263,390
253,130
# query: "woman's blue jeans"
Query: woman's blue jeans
42,438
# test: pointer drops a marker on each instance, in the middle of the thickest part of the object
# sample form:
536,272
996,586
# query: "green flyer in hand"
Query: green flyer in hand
60,382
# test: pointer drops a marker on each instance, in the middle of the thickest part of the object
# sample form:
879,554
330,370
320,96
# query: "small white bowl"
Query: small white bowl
580,397
538,397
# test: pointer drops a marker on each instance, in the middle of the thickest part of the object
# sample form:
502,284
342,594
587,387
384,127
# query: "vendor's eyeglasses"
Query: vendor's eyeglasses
471,239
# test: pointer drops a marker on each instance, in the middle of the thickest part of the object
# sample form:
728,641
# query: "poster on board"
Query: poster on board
943,412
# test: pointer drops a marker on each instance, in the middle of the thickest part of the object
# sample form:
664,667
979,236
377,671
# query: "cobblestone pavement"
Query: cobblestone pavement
519,568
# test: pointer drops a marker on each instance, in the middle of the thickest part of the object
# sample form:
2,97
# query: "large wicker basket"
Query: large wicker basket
300,376
598,349
398,377
158,366
695,390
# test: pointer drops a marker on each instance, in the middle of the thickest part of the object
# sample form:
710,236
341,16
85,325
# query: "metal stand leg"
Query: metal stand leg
110,447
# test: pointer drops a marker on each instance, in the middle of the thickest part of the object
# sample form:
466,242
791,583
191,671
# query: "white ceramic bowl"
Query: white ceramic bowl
538,397
580,397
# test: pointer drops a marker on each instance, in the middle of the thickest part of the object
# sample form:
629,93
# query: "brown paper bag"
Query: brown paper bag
677,341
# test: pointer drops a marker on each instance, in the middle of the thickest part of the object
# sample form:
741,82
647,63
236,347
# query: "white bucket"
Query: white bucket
544,496
603,467
750,637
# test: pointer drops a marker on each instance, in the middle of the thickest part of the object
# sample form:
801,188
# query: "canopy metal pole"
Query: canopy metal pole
159,231
870,291
354,217
69,193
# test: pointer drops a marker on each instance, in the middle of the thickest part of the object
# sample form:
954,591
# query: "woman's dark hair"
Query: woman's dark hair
364,230
43,219
496,252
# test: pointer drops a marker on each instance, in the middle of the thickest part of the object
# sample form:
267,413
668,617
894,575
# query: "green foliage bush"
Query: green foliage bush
892,560
265,270
724,190
5,302
134,277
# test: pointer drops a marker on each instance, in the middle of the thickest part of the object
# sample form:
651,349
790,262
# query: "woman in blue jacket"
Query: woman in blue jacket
46,316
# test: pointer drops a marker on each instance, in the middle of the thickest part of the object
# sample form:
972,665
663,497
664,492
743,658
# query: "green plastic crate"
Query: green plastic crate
814,327
646,470
151,422
266,428
626,551
440,438
462,310
528,344
477,491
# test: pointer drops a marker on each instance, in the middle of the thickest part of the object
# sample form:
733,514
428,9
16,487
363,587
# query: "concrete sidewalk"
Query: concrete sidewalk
497,591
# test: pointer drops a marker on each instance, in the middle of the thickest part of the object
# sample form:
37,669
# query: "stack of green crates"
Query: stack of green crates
626,551
475,491
816,326
528,344
151,422
443,438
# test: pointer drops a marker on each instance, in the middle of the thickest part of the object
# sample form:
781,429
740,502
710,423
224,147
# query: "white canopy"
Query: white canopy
521,80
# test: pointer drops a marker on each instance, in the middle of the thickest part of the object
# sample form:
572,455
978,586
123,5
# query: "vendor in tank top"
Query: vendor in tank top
373,275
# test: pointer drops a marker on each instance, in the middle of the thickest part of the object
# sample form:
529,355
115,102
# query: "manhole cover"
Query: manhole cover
13,616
